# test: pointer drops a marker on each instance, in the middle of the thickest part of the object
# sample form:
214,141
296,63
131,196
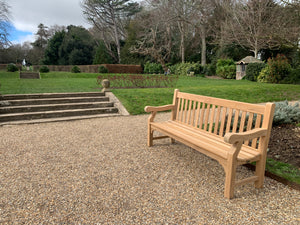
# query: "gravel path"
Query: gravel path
100,171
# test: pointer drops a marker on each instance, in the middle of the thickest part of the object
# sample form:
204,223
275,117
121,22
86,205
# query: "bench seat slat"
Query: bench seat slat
205,140
246,154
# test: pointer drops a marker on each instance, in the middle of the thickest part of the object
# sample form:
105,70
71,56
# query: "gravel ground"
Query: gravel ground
100,171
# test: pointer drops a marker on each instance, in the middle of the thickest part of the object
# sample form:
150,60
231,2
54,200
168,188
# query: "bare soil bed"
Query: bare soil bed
284,144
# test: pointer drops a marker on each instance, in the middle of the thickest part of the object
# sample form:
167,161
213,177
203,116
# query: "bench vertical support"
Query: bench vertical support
150,131
174,111
230,170
264,141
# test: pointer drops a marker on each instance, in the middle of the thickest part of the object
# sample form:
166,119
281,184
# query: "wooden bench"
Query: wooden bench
231,132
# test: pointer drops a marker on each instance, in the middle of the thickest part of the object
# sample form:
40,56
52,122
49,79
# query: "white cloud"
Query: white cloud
28,14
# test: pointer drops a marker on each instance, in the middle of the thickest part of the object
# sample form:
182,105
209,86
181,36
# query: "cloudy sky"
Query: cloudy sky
28,14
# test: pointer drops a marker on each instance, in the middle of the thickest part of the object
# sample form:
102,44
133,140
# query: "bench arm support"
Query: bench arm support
159,108
244,136
155,109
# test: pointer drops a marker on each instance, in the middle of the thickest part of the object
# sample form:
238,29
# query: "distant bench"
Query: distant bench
231,132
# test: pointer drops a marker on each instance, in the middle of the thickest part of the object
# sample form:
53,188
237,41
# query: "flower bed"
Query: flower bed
139,81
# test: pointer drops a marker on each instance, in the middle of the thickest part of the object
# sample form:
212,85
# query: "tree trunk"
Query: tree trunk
117,40
182,48
255,53
182,37
203,46
116,35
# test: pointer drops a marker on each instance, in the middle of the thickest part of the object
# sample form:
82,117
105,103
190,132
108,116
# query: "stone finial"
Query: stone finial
105,84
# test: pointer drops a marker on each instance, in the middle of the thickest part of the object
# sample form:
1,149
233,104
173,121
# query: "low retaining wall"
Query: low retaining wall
112,68
30,75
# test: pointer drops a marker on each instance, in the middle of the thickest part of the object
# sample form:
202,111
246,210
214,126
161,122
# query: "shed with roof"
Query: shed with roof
242,65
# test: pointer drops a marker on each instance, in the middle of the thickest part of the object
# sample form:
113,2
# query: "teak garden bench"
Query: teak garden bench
231,132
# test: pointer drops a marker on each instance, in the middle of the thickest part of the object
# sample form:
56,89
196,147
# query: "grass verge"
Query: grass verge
284,170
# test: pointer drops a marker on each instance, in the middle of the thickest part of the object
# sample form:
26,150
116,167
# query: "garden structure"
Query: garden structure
242,65
233,133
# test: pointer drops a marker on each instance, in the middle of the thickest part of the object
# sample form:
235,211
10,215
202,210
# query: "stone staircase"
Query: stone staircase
49,107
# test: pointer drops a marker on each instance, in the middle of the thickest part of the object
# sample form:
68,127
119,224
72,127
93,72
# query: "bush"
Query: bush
277,69
12,68
102,69
44,69
75,69
263,76
226,68
253,70
209,70
286,114
153,68
185,68
293,78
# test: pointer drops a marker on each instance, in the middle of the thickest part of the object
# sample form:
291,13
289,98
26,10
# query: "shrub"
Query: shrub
102,69
209,70
226,68
286,114
278,70
75,69
253,70
12,68
293,78
184,69
44,69
263,76
153,68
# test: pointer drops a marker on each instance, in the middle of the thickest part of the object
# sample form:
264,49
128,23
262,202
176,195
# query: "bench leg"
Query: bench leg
172,140
150,137
230,181
260,172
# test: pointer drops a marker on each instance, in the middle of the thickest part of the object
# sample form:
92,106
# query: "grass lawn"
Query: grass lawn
136,99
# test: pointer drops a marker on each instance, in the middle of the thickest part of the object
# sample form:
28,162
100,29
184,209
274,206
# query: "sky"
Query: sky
26,15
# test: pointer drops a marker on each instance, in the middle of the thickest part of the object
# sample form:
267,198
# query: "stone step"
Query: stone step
57,119
52,107
45,101
55,114
51,95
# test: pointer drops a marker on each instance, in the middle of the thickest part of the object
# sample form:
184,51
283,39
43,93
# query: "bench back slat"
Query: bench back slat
219,116
223,102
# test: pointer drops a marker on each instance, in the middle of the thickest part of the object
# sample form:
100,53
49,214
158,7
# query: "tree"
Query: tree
258,24
202,17
109,16
182,13
40,44
77,47
4,24
152,38
52,51
126,55
101,56
42,37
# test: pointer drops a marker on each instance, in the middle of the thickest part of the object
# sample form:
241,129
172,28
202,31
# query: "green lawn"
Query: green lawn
136,99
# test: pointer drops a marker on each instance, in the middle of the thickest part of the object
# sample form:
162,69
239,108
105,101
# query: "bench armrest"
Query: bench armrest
244,136
159,108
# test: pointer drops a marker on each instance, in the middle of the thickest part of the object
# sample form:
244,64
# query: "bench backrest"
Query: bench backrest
219,116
